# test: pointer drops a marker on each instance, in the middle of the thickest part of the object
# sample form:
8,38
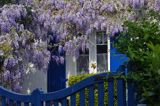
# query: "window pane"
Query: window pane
102,62
101,37
83,64
101,49
105,39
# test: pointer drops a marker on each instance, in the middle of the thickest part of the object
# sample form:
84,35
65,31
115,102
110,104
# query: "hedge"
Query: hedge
74,79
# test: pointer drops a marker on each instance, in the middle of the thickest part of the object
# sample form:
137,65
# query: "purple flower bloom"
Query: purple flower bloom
97,25
6,75
5,27
9,63
16,44
57,59
58,18
17,87
60,49
136,4
115,30
157,5
61,60
88,32
103,26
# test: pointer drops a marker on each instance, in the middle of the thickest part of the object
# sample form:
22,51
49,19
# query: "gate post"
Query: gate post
36,97
131,93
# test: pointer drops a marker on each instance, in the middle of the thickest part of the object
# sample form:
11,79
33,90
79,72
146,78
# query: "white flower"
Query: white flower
1,53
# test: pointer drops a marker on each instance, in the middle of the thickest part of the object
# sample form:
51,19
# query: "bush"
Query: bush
141,43
75,79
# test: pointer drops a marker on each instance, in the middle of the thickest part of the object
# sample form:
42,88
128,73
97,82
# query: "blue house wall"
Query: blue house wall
117,60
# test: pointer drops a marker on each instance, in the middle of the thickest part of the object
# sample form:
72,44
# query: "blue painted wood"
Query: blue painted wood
117,60
14,96
73,100
82,97
101,94
3,101
131,94
26,104
37,96
48,103
121,92
18,103
111,92
91,95
55,103
64,102
75,88
11,103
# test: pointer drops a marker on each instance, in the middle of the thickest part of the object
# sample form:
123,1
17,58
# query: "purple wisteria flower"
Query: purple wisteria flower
17,87
108,7
6,75
157,5
10,63
60,49
61,60
137,4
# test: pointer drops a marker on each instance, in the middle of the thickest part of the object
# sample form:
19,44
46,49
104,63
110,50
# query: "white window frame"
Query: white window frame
92,57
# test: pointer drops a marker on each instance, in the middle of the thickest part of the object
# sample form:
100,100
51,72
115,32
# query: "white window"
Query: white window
101,43
98,53
83,63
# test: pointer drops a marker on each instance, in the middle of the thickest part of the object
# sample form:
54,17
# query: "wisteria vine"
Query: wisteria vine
28,27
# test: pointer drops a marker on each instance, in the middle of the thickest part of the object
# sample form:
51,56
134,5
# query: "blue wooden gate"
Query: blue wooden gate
67,96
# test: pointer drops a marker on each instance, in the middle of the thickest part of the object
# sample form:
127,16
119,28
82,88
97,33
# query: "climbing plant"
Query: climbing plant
29,26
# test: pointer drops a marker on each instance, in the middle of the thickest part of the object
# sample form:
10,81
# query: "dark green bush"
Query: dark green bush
141,43
75,79
3,2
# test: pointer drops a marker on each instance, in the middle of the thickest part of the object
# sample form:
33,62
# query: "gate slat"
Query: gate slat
10,102
18,103
82,97
10,98
73,100
48,103
121,92
64,102
131,91
3,101
110,92
26,104
91,95
101,94
55,103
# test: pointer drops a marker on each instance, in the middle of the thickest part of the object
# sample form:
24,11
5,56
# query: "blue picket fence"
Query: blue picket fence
67,96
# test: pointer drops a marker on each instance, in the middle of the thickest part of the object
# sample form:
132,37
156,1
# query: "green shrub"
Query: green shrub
3,2
75,79
141,43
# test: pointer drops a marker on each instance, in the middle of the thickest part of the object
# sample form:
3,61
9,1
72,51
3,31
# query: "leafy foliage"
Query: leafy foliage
140,42
3,2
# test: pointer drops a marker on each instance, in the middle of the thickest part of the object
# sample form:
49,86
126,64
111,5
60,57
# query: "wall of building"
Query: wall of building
33,80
